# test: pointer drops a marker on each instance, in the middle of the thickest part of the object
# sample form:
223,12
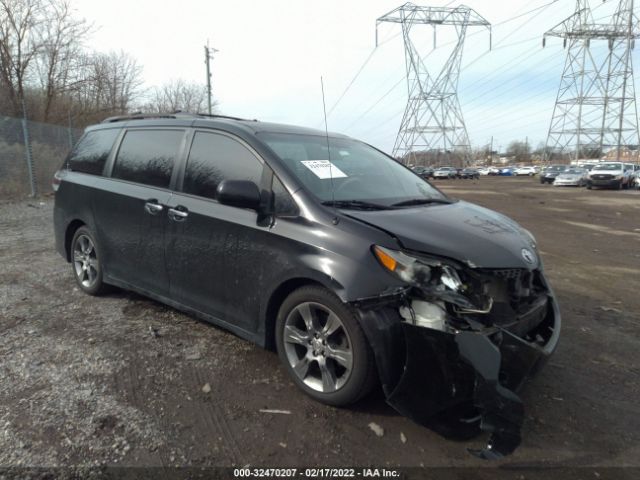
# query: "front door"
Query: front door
213,250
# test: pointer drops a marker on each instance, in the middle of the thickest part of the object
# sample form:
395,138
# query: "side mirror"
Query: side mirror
239,193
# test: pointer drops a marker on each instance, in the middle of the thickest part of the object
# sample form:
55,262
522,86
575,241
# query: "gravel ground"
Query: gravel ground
123,380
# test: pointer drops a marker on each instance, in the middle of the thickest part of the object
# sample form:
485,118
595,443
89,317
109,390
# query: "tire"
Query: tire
303,343
589,186
85,262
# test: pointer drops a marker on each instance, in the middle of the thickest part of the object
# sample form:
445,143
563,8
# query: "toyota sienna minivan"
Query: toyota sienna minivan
354,268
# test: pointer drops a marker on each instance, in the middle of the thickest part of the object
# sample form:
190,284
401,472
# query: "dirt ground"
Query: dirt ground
119,380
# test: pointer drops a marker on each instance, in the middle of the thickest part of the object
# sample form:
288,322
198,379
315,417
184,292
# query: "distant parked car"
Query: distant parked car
572,176
506,172
494,171
483,170
469,173
636,179
549,174
424,172
611,174
531,171
444,172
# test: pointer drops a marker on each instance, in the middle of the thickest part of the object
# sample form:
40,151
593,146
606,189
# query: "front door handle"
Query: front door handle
152,207
178,214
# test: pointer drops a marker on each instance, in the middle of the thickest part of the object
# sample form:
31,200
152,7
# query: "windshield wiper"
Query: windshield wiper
420,201
358,204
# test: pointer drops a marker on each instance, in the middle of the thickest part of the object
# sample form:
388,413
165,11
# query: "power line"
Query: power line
380,99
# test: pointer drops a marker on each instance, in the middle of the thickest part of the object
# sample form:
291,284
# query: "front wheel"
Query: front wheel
323,347
85,260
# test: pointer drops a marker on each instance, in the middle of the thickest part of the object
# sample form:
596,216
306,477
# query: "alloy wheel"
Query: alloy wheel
318,347
85,261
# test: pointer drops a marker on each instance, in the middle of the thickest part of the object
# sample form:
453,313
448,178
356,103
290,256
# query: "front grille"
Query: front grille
508,273
602,177
519,297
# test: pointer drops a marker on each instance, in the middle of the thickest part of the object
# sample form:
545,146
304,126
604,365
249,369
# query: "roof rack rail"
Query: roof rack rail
137,116
176,114
228,117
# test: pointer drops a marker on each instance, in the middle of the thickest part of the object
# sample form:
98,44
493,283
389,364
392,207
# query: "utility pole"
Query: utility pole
432,120
208,56
595,108
491,151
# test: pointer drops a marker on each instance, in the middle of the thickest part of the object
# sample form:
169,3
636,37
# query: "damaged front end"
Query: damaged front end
457,343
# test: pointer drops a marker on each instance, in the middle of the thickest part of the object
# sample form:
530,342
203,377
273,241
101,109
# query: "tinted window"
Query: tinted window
90,154
283,202
147,156
213,158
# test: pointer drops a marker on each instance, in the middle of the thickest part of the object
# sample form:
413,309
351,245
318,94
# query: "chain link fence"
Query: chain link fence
30,153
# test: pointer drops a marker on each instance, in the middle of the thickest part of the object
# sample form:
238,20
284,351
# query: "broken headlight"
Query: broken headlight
436,279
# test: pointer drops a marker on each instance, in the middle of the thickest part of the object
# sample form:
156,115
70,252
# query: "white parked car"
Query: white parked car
616,175
531,171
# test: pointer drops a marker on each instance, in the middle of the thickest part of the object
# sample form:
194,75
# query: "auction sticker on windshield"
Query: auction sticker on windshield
323,169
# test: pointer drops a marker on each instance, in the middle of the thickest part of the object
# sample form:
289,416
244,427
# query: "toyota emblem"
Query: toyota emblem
528,256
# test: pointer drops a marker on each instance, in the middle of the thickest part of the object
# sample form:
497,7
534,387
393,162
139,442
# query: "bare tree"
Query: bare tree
19,45
521,151
57,65
109,83
177,95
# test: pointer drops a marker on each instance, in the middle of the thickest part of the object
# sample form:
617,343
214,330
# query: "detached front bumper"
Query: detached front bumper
459,384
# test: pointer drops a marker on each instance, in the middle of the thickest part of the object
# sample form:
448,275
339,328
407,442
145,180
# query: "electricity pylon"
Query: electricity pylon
432,123
595,109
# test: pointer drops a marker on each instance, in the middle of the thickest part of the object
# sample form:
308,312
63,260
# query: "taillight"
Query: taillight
57,179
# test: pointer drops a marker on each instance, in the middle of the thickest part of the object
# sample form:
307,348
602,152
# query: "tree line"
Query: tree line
46,68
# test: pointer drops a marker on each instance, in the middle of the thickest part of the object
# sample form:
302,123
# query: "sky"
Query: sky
272,54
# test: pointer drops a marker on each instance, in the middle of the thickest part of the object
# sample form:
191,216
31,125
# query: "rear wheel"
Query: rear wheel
85,261
323,347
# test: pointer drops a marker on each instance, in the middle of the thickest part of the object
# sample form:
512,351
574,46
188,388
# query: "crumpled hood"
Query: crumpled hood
462,231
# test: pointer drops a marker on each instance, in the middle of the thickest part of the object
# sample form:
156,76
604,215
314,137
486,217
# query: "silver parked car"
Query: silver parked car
572,176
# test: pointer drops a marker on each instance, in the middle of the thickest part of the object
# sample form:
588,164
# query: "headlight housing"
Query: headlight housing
436,279
415,271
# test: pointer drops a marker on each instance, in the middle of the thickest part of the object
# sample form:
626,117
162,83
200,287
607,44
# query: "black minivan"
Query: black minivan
355,269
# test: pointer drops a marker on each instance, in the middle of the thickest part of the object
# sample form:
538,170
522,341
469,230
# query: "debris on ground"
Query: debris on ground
377,429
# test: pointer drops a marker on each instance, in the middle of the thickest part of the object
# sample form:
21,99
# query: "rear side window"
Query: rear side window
148,156
90,154
215,157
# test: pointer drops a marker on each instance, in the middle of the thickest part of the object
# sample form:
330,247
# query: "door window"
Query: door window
147,156
215,157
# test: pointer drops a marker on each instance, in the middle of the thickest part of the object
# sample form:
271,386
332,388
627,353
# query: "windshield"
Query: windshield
573,171
555,168
608,166
356,170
